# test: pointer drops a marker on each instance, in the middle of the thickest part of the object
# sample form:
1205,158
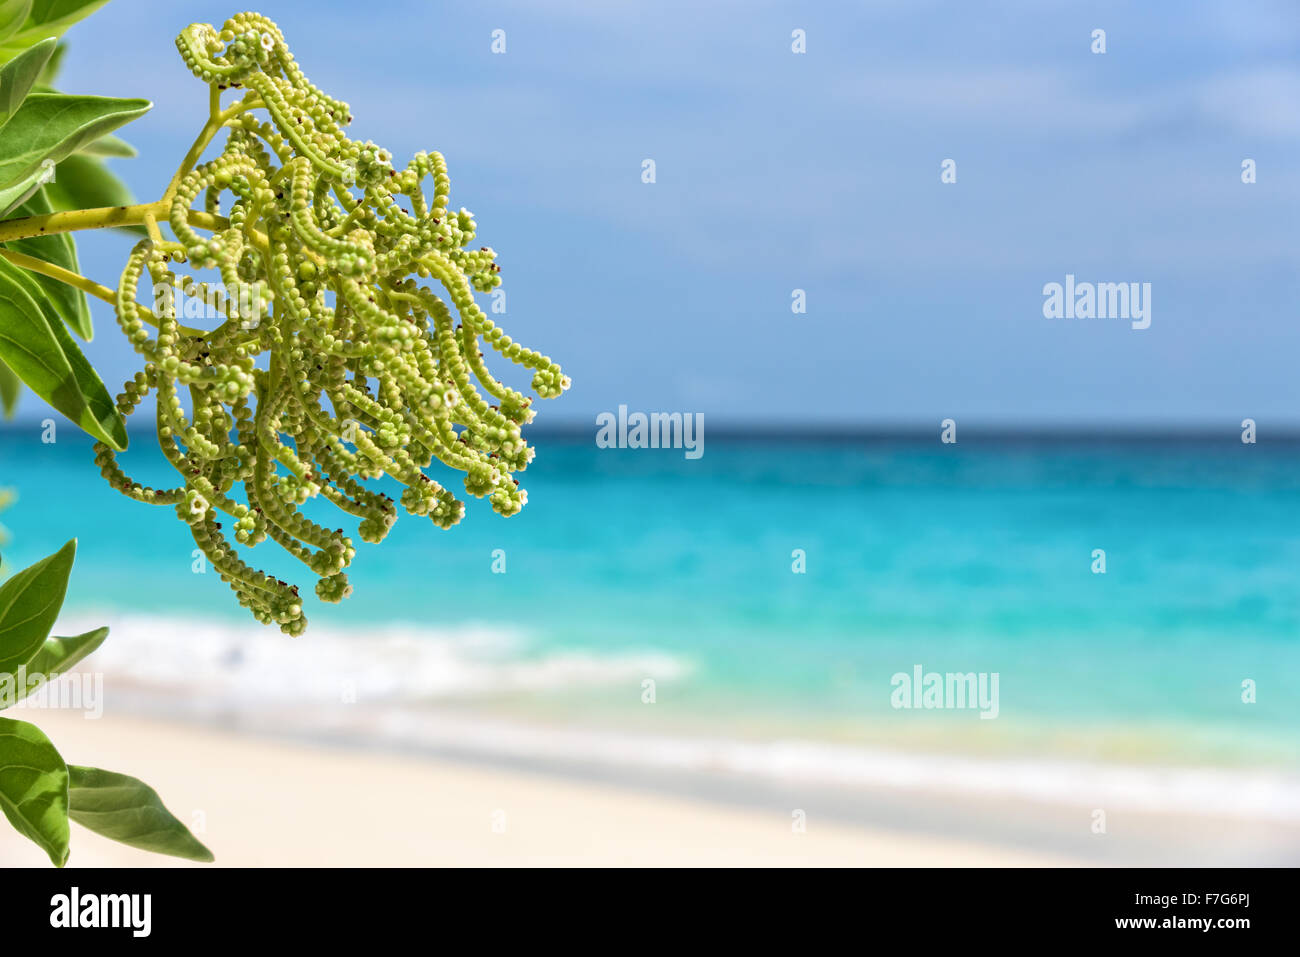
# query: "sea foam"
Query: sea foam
407,676
236,664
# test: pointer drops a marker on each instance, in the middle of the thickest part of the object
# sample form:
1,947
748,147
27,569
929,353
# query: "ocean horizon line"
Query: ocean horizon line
984,432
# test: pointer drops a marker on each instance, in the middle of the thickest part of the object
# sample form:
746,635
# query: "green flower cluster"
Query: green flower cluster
333,364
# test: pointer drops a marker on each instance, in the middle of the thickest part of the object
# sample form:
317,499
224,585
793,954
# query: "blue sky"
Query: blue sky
820,171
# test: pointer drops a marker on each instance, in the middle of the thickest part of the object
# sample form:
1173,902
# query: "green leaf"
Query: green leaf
34,787
51,71
50,18
57,655
127,810
10,388
12,15
60,249
49,127
29,603
83,182
37,346
61,14
18,75
110,146
18,193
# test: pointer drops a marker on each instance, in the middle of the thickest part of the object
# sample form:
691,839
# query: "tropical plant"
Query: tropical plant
39,791
331,364
52,147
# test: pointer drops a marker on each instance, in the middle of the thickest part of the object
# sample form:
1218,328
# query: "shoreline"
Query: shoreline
290,798
272,802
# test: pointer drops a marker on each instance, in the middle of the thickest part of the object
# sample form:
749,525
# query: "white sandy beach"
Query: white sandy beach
266,802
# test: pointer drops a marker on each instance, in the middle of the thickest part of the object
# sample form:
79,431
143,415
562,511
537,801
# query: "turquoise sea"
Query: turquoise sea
628,565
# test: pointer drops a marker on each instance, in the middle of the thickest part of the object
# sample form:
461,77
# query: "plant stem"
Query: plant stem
88,286
50,224
216,120
146,214
103,217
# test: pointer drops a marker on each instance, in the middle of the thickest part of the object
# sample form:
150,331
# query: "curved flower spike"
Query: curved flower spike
333,365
